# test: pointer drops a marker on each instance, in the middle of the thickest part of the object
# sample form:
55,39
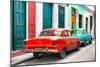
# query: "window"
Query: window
61,17
86,23
73,18
47,15
91,23
80,21
76,31
47,33
64,33
73,11
85,31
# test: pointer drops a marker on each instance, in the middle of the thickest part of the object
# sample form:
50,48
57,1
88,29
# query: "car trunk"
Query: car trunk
38,43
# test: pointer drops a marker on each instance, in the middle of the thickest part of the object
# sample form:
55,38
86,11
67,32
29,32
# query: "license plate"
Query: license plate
28,50
36,50
40,49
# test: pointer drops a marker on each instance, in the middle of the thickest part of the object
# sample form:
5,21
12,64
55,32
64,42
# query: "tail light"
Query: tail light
24,47
24,42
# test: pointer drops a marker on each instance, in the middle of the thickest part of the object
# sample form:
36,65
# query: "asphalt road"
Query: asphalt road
86,53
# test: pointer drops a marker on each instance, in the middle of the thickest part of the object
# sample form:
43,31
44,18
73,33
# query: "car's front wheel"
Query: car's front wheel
90,42
84,43
77,47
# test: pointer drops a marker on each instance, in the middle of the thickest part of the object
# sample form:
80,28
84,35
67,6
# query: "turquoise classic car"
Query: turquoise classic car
84,36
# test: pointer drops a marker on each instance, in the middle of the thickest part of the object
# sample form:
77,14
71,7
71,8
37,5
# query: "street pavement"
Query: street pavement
86,53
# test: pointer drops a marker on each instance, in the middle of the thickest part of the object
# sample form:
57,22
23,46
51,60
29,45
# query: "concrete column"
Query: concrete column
39,18
55,16
26,20
69,18
77,18
66,18
92,32
89,24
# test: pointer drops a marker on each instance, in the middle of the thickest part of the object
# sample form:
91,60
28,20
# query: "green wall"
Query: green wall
80,9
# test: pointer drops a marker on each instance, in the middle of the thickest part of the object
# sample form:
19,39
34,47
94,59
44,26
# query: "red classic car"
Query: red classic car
57,41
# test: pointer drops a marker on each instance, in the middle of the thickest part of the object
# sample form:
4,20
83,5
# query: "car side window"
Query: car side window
64,33
85,32
69,33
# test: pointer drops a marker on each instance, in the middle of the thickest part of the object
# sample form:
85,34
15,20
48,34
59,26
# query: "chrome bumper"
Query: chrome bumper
81,42
43,50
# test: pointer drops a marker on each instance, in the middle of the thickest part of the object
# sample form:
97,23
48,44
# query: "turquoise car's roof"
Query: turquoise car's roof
78,29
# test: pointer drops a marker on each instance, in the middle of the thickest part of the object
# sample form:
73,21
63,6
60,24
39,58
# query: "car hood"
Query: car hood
77,35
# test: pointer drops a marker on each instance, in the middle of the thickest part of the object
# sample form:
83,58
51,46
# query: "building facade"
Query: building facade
30,18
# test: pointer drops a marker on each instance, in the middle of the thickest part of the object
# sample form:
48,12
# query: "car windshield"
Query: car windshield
76,31
50,33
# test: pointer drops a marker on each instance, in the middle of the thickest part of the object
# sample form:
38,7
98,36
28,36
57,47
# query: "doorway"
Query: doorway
86,23
47,15
80,21
18,24
31,19
73,18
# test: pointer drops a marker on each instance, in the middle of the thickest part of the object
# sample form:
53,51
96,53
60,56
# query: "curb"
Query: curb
17,53
22,58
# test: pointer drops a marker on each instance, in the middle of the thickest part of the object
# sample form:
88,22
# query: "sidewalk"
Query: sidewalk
17,53
19,56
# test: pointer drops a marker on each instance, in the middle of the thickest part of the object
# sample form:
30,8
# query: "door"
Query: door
31,19
80,21
67,39
73,18
61,17
47,15
73,41
18,24
73,22
91,23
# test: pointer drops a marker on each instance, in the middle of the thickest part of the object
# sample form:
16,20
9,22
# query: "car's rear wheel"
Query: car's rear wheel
77,47
90,42
36,55
62,54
